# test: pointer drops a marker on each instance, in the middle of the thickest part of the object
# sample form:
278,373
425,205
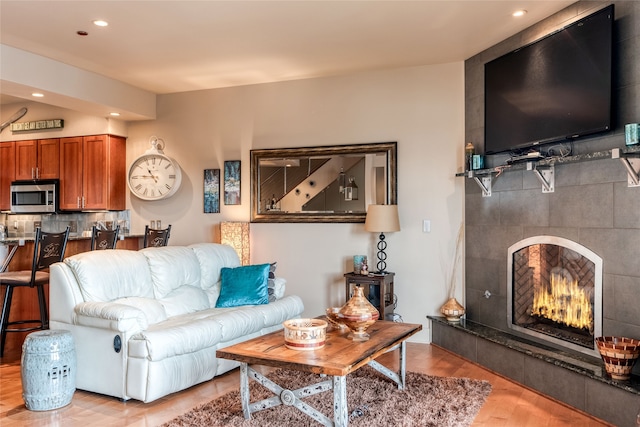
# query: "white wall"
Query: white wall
75,123
70,87
421,108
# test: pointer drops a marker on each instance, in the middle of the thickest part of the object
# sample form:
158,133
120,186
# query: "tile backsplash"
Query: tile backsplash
79,223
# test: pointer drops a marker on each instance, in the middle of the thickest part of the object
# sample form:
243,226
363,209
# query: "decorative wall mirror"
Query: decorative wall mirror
322,184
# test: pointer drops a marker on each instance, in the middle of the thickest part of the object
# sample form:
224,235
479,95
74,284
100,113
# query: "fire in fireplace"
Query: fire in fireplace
564,302
554,291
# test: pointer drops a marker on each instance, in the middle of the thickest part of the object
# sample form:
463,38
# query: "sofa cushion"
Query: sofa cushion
243,321
178,335
192,332
185,299
108,275
212,258
172,267
245,285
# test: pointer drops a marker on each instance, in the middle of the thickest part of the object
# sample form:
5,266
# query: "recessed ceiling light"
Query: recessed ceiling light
519,13
114,114
37,94
100,23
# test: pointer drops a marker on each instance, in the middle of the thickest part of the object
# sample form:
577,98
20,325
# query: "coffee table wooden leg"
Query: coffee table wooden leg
340,418
244,390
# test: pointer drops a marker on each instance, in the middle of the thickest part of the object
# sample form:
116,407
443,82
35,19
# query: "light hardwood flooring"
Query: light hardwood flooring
509,404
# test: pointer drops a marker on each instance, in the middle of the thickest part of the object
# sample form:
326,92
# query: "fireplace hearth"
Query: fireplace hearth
554,291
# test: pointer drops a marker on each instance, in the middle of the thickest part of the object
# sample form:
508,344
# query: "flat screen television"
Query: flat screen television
555,89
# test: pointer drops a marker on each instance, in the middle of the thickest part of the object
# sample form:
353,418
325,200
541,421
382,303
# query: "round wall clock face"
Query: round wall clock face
154,177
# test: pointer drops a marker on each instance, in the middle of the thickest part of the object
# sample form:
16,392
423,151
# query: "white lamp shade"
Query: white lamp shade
382,219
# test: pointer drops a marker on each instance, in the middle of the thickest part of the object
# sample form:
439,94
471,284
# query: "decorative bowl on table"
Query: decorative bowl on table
358,314
619,355
334,320
305,334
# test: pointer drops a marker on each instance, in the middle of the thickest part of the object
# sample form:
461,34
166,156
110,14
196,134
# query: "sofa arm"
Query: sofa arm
108,315
64,293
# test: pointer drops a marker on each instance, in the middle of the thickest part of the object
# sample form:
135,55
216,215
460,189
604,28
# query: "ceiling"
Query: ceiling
175,46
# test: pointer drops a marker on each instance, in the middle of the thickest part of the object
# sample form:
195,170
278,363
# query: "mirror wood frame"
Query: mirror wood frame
388,148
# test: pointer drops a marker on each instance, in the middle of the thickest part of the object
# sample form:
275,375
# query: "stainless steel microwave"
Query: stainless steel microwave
39,196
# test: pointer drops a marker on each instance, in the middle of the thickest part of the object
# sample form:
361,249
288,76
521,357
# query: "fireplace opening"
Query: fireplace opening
554,292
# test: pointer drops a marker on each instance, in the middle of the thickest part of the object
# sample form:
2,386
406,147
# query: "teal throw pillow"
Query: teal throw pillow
245,285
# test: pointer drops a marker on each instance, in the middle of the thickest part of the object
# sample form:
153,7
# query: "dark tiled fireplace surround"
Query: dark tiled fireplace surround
572,378
592,205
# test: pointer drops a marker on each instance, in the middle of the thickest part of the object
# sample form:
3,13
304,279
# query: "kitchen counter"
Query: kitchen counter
76,244
21,240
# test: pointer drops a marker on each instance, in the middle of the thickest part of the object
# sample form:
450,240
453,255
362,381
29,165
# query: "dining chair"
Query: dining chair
156,238
48,248
104,239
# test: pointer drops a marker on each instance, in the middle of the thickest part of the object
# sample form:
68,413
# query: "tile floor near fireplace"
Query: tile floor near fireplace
576,379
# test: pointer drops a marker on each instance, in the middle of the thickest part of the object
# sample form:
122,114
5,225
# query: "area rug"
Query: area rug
372,400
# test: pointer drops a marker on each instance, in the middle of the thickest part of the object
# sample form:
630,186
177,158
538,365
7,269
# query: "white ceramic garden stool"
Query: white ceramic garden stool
48,369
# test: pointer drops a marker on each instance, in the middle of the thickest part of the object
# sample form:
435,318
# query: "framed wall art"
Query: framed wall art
232,182
212,191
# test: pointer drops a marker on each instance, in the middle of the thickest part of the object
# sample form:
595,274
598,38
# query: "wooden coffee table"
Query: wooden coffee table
339,357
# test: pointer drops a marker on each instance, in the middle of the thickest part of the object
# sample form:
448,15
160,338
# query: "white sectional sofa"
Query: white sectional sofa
145,323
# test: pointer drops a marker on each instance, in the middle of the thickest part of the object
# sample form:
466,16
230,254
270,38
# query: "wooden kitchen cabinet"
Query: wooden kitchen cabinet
37,159
93,173
7,172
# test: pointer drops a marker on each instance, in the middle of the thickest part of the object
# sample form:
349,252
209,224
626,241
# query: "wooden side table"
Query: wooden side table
377,288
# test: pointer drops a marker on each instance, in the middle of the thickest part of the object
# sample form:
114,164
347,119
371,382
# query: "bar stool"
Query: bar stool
104,239
156,238
48,248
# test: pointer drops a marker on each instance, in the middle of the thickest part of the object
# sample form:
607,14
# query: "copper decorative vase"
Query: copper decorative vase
452,310
358,314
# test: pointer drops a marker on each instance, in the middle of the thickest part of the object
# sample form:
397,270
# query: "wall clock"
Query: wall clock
153,175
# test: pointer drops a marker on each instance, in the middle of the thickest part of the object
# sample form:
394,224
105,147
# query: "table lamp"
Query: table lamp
236,235
382,219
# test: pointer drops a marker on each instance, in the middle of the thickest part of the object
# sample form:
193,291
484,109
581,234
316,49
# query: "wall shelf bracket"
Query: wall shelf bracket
546,176
483,182
632,165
